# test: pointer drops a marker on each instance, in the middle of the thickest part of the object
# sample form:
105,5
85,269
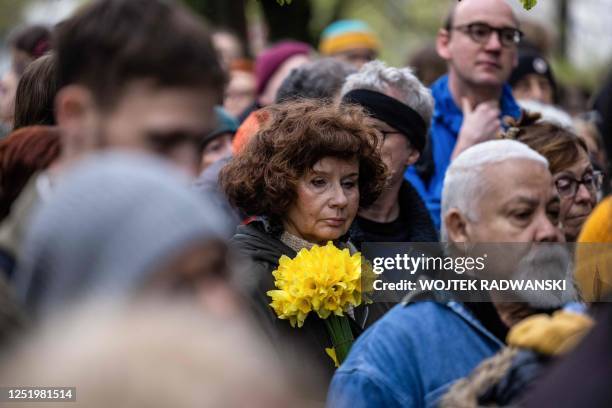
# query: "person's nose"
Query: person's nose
186,158
583,195
339,198
227,149
546,231
494,42
537,92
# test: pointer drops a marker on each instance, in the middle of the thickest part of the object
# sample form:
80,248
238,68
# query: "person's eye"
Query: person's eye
521,85
522,215
318,182
349,184
563,185
213,146
480,30
508,35
544,84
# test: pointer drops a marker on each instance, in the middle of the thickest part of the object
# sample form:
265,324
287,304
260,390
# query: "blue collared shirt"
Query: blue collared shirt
446,123
411,356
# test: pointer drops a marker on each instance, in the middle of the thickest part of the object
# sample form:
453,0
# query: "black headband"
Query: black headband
393,112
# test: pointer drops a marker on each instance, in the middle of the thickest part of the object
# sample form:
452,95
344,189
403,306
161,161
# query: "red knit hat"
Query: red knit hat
271,59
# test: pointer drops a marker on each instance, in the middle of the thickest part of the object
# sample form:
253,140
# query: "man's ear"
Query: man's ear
74,112
456,226
442,41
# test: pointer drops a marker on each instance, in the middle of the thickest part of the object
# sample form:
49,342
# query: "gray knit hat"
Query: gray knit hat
107,226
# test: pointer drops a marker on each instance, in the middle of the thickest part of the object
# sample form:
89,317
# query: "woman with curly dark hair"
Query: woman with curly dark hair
303,176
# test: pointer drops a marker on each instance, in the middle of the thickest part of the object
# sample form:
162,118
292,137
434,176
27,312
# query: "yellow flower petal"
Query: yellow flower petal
324,279
331,352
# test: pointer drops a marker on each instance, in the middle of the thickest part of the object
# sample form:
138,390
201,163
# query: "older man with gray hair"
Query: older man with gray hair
496,191
401,107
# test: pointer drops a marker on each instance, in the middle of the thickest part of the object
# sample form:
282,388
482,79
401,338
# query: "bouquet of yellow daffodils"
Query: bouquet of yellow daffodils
324,280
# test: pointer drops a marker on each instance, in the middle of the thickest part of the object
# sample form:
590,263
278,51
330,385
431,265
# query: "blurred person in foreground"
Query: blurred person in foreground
152,88
401,108
121,224
479,41
27,44
411,356
13,320
352,41
593,271
315,164
576,181
117,89
155,353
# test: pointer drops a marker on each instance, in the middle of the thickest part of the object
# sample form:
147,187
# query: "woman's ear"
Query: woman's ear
456,226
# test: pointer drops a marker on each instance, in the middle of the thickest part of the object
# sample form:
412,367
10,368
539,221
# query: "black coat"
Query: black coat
418,224
262,248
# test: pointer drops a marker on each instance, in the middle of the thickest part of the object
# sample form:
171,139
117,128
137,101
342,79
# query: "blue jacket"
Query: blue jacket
411,356
446,123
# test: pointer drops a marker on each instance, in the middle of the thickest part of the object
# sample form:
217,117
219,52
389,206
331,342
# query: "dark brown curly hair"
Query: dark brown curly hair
263,178
558,145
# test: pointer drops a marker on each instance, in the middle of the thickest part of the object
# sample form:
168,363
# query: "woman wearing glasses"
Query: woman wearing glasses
577,182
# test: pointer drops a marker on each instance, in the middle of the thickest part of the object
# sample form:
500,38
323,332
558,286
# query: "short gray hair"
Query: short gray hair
377,76
319,79
465,182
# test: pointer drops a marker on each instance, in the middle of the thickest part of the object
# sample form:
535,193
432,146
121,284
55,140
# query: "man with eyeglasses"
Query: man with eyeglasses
479,42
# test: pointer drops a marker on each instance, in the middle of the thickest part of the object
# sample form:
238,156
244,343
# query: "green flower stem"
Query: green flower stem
341,335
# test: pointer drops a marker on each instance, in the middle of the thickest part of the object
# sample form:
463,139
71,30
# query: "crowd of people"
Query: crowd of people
153,179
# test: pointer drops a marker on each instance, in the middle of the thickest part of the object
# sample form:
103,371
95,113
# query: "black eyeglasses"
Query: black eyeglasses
481,32
568,186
